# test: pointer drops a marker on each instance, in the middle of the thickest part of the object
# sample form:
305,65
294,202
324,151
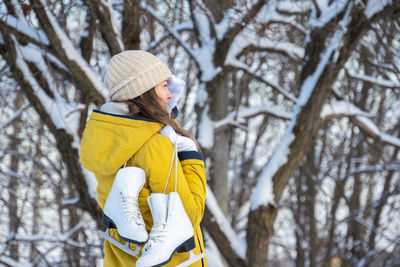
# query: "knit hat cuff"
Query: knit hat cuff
134,86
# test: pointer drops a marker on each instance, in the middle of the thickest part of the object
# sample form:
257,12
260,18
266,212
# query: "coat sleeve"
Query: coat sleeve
191,175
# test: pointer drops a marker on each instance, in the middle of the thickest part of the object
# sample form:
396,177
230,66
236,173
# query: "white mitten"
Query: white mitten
185,143
169,132
175,86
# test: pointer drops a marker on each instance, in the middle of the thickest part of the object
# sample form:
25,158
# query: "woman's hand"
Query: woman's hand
183,143
175,86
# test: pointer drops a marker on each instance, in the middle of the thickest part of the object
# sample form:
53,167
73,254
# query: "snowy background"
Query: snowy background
296,105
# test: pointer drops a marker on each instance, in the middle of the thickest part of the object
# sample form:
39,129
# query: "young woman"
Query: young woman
136,128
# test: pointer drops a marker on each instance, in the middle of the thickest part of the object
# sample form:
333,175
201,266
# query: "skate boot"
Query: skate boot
121,210
172,230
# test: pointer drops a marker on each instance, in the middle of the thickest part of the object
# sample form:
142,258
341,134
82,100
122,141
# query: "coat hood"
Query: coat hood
109,140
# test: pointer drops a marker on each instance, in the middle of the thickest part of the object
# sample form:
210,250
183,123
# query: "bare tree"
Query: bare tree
293,102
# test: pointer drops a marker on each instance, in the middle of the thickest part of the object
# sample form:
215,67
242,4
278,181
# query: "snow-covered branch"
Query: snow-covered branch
249,38
374,80
328,12
236,18
240,116
341,109
107,18
20,27
110,18
358,117
57,108
236,118
204,23
375,6
370,127
67,53
238,244
298,7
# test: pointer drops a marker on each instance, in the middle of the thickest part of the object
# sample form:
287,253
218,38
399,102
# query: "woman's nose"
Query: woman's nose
169,95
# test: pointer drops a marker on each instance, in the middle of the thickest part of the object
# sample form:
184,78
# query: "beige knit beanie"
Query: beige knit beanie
132,73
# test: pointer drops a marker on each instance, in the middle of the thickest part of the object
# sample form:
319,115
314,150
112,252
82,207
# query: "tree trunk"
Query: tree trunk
13,181
131,24
259,232
219,154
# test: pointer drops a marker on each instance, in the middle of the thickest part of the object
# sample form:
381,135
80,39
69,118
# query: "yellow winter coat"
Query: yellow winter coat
111,140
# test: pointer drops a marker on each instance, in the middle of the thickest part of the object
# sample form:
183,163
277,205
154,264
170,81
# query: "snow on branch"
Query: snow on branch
248,37
370,127
328,13
358,117
239,117
375,6
114,23
204,55
374,80
63,114
263,192
72,53
236,118
22,27
341,109
291,7
233,16
238,244
204,21
206,130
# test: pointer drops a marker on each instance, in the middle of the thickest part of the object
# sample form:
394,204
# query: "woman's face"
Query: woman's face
163,93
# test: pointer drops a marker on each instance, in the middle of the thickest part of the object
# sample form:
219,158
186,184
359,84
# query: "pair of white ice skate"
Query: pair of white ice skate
172,229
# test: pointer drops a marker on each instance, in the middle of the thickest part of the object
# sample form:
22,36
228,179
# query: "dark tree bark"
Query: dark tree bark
131,24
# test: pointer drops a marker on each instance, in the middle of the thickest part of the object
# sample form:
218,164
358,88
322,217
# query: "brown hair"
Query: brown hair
148,106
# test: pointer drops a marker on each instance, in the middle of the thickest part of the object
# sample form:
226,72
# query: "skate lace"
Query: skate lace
131,209
157,236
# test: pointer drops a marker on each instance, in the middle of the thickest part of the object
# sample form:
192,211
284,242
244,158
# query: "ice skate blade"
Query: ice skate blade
125,248
132,241
109,223
192,259
186,246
